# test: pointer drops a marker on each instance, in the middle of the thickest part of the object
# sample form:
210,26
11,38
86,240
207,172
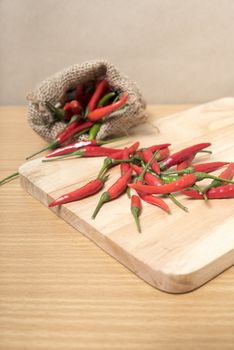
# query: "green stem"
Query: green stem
135,213
201,176
175,201
53,144
105,197
204,151
146,167
8,178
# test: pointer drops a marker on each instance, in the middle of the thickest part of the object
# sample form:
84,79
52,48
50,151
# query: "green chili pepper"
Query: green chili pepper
105,99
94,130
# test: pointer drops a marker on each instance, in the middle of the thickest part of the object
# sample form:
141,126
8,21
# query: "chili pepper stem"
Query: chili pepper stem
141,177
202,176
53,144
8,178
61,157
135,213
204,151
176,202
104,198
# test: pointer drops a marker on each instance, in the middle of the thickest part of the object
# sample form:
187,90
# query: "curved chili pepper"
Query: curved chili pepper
147,155
71,130
102,112
124,167
94,130
114,191
136,210
180,156
79,144
96,96
131,150
226,174
87,190
221,192
149,198
106,98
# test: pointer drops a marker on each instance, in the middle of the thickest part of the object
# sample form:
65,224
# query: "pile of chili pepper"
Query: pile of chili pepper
85,109
152,172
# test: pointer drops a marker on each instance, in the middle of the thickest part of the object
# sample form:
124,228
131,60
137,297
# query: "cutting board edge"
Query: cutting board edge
164,281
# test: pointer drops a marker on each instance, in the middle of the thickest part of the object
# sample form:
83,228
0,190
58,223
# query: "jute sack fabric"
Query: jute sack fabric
54,89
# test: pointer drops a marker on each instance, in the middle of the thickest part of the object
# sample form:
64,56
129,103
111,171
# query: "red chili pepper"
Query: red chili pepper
100,113
136,210
203,167
163,154
68,111
124,167
221,192
186,163
87,151
72,129
77,145
226,174
175,186
87,190
149,198
75,107
131,150
178,185
182,155
150,179
154,148
96,96
80,95
114,191
209,167
147,155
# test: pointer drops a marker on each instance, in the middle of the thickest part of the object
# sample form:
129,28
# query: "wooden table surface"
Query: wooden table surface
60,291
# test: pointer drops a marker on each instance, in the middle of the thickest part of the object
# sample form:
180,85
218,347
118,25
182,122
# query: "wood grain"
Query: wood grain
175,253
60,291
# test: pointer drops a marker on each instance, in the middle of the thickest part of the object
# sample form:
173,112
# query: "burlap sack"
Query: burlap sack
55,88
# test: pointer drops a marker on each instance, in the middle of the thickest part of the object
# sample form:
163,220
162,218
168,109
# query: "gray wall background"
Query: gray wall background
178,51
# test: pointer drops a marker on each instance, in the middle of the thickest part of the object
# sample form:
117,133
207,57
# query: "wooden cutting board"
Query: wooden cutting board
175,253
